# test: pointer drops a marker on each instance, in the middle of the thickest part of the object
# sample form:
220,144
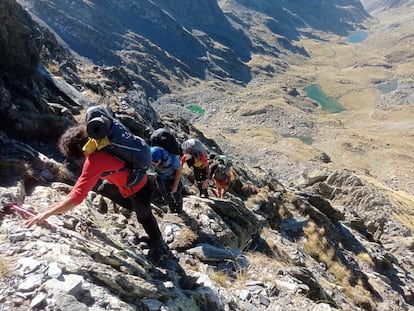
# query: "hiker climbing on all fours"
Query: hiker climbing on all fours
168,168
220,173
194,154
133,190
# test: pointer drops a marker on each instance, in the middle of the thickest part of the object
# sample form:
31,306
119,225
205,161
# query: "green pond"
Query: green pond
328,104
388,87
305,139
358,36
197,109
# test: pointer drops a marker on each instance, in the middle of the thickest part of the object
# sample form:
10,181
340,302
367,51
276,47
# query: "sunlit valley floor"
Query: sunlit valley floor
373,136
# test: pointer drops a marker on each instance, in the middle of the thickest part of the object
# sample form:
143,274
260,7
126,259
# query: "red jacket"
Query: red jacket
95,165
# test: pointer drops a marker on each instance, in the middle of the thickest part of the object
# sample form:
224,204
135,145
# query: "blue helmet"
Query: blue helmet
158,153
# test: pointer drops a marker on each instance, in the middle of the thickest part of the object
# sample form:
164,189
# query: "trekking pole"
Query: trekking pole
26,213
163,189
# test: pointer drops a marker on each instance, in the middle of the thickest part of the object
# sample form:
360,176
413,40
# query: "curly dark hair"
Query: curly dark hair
72,141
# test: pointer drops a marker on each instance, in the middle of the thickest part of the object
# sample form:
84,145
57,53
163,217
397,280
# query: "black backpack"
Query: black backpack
131,149
163,137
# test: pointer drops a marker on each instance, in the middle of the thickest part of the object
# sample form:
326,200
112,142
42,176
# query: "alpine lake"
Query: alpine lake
327,103
357,36
196,109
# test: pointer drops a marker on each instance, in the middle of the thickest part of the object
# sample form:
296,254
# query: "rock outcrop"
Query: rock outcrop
328,242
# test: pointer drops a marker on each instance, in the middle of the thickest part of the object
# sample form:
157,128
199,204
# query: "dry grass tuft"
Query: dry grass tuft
221,279
263,267
186,234
6,267
61,171
319,248
53,67
365,257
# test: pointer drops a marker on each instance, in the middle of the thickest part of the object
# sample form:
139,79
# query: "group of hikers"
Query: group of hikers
117,164
168,161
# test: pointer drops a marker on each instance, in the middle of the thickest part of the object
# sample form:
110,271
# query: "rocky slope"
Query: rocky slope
331,240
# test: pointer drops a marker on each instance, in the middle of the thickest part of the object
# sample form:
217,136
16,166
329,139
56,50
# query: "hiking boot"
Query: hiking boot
188,282
204,193
176,208
158,251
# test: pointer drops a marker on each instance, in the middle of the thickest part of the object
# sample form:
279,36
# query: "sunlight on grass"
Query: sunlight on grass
6,267
319,248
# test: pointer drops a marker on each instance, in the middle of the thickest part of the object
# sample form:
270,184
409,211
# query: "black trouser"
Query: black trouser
140,202
200,176
175,200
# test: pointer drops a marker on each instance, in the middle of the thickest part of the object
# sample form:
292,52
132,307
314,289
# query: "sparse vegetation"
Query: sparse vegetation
220,278
61,171
53,67
365,257
188,235
319,248
263,267
6,267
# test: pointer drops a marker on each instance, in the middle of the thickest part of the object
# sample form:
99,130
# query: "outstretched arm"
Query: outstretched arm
60,208
177,177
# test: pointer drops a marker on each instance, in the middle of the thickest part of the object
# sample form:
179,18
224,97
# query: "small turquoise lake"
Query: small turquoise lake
357,37
328,104
197,109
305,139
388,87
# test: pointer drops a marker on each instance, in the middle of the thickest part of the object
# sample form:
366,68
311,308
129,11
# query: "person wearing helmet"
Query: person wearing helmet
195,155
168,168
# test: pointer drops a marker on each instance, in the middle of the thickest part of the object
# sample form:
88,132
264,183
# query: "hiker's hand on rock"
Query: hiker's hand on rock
39,218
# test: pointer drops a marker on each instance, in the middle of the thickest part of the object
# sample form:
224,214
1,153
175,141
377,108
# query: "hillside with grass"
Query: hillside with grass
318,214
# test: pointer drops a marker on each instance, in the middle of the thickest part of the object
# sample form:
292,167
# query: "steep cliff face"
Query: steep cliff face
20,42
19,50
166,43
35,104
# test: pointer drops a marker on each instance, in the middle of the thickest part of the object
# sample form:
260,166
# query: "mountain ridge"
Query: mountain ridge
218,45
333,239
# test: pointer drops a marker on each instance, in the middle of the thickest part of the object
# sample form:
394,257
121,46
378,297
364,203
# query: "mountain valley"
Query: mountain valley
318,216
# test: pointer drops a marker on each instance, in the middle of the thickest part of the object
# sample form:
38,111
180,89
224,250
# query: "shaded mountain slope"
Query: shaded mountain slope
18,49
290,17
163,45
330,241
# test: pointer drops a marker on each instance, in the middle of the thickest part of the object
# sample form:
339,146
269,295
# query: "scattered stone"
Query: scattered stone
54,271
39,302
152,304
70,284
28,265
31,283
